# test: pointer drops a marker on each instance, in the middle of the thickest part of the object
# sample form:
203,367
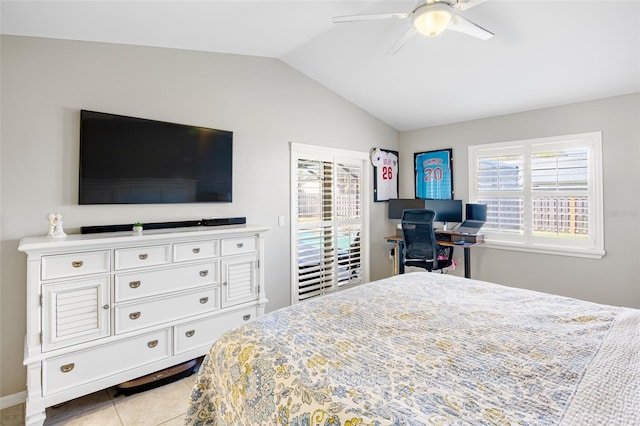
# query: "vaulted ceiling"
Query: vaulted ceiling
544,53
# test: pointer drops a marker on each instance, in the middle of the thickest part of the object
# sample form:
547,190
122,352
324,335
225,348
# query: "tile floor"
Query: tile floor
162,406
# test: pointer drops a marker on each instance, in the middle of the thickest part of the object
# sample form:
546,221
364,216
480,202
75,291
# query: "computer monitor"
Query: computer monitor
446,210
397,206
476,212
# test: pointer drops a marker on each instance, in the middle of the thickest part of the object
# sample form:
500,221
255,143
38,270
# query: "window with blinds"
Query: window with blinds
541,194
329,221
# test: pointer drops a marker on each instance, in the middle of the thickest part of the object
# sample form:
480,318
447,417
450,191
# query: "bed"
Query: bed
426,349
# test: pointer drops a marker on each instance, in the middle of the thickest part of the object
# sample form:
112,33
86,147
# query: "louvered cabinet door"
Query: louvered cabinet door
239,280
75,312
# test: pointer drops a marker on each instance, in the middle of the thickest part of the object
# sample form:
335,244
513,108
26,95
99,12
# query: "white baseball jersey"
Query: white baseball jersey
386,174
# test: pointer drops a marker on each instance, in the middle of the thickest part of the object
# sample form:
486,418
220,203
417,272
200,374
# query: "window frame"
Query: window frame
591,247
318,153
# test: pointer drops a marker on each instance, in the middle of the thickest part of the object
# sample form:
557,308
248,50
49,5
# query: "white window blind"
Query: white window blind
329,220
542,195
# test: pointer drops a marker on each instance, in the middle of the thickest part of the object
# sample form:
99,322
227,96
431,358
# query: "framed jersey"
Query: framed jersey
434,174
385,174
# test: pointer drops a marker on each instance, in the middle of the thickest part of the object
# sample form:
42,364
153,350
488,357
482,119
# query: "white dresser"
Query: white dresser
106,308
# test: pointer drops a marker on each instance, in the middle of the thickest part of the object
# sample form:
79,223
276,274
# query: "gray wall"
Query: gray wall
265,102
611,280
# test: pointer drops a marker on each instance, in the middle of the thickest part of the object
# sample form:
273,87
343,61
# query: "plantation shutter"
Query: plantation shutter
500,187
560,186
328,223
349,221
542,194
315,231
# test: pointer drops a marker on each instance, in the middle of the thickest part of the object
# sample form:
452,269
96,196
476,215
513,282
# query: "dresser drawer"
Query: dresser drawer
231,246
195,250
138,284
69,371
138,257
74,264
204,332
145,314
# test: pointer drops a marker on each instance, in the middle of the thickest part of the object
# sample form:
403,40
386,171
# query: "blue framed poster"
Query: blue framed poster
434,174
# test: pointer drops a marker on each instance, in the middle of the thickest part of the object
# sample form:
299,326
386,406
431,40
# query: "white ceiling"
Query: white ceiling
544,53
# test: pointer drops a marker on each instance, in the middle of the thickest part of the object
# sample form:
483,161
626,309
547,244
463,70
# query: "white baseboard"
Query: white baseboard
11,400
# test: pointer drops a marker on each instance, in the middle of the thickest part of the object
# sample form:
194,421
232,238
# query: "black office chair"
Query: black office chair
420,246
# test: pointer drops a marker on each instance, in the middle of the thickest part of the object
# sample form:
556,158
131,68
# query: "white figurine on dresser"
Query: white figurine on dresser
55,225
106,308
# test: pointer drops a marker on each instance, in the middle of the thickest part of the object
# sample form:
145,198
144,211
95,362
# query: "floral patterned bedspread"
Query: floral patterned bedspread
426,349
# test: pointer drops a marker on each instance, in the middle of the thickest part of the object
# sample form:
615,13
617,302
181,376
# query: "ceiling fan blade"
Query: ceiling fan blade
461,25
467,4
371,17
401,41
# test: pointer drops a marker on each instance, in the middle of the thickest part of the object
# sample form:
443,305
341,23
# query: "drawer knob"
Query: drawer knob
247,317
67,367
204,273
224,283
240,245
105,307
143,256
77,263
204,300
190,333
134,284
134,315
153,343
196,250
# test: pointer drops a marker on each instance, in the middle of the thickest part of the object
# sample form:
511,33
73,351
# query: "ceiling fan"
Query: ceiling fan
429,18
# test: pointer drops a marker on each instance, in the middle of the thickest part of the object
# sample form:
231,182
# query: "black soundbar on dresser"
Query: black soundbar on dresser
217,221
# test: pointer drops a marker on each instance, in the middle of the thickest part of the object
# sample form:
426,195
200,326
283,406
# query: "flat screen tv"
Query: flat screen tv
127,160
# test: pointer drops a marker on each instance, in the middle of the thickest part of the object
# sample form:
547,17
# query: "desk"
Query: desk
446,239
466,241
398,264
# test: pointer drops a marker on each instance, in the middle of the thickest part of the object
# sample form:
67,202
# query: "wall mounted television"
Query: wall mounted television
128,160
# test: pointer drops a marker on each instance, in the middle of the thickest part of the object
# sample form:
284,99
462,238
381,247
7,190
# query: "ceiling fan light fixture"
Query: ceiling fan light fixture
432,19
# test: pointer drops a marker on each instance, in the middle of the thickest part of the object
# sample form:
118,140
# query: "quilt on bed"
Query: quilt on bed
422,349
